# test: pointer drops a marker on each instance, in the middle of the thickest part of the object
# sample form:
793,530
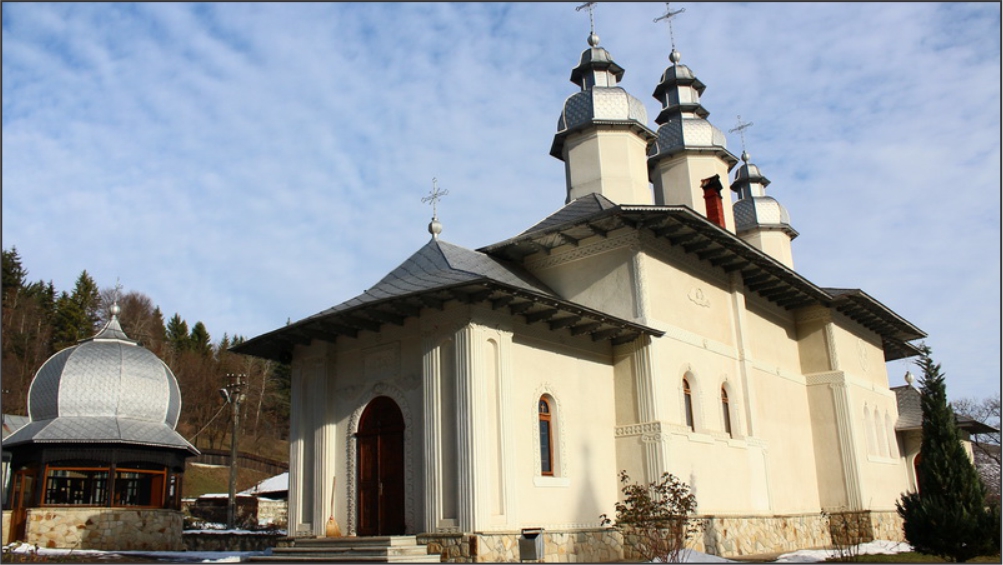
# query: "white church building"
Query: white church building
653,324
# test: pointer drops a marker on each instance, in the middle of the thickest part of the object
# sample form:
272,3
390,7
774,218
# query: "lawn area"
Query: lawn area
913,557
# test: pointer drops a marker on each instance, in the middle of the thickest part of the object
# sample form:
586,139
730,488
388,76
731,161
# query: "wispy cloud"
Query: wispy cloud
248,163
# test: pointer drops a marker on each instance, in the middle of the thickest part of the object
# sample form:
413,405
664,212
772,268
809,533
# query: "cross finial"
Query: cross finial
740,127
115,309
590,6
667,16
434,196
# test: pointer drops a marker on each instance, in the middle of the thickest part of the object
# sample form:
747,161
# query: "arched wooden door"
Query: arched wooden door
380,467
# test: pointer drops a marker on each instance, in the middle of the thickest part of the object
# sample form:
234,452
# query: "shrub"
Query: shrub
655,519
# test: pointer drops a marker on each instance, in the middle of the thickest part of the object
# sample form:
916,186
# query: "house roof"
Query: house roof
437,273
594,215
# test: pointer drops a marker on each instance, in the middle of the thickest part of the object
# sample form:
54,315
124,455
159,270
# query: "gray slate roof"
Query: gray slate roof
441,264
910,405
438,272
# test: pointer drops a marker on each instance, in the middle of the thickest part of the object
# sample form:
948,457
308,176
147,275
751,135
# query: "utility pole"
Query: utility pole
233,394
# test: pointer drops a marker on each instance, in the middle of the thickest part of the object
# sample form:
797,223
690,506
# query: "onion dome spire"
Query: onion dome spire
754,210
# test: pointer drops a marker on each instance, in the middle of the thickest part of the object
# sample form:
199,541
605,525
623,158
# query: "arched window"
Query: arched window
869,430
546,438
688,404
893,445
726,411
881,439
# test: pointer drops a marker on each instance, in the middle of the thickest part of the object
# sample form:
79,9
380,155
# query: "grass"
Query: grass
913,557
200,479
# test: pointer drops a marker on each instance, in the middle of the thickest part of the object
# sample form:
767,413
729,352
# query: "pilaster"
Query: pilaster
467,436
431,387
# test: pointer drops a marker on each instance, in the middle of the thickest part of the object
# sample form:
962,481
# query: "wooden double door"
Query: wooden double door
380,467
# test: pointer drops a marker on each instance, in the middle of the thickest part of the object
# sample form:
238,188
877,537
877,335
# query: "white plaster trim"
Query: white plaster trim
551,482
572,254
563,467
380,389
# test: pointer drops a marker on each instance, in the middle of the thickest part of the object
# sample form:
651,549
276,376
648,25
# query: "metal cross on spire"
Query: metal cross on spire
667,16
434,196
115,308
740,127
590,6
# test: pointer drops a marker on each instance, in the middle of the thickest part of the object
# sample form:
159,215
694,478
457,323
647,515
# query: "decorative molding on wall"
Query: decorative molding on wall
582,251
351,448
845,433
564,465
646,428
697,296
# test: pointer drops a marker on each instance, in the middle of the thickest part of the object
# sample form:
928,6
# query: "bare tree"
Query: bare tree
985,446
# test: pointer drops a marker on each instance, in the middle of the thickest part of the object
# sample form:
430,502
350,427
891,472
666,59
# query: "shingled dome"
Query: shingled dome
105,389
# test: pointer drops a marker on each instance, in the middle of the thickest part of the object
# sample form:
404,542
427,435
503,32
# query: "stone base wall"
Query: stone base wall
5,527
229,541
726,536
568,546
733,536
105,529
887,525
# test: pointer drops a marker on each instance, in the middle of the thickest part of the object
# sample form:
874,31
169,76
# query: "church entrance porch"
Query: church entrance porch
380,468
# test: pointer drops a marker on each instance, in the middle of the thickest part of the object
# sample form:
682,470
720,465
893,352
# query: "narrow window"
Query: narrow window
688,401
546,437
725,411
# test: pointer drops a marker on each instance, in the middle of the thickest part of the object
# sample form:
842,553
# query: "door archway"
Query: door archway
380,468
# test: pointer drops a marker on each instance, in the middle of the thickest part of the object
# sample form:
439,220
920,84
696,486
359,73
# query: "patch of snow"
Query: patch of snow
818,555
277,483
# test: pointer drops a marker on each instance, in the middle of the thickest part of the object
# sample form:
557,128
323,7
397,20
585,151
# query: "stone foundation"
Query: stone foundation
5,527
568,546
726,536
105,529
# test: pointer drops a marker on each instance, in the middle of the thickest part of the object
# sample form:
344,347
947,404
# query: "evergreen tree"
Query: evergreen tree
947,516
200,339
13,272
77,314
177,334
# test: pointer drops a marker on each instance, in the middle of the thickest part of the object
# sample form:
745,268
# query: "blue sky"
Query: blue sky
245,164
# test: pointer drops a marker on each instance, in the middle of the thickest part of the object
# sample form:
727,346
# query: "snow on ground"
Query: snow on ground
175,556
819,555
689,556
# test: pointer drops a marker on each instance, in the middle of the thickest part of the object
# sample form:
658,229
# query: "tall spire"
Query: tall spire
759,219
688,149
599,126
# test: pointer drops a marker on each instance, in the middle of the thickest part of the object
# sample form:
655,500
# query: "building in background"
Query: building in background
99,464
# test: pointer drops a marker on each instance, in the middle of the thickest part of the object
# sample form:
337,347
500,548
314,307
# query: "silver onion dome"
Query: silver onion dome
106,389
754,209
600,101
683,124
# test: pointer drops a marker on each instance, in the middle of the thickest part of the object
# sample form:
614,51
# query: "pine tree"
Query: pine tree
947,516
177,334
200,339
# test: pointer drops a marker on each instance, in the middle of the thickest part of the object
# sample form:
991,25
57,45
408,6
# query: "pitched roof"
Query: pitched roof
910,406
593,215
437,273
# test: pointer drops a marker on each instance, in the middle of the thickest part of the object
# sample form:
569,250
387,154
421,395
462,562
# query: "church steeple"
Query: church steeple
601,134
688,150
759,219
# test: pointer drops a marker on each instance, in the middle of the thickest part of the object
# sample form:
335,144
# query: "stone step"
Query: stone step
377,549
356,540
354,549
344,559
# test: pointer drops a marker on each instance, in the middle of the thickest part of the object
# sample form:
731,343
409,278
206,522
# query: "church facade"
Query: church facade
653,324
